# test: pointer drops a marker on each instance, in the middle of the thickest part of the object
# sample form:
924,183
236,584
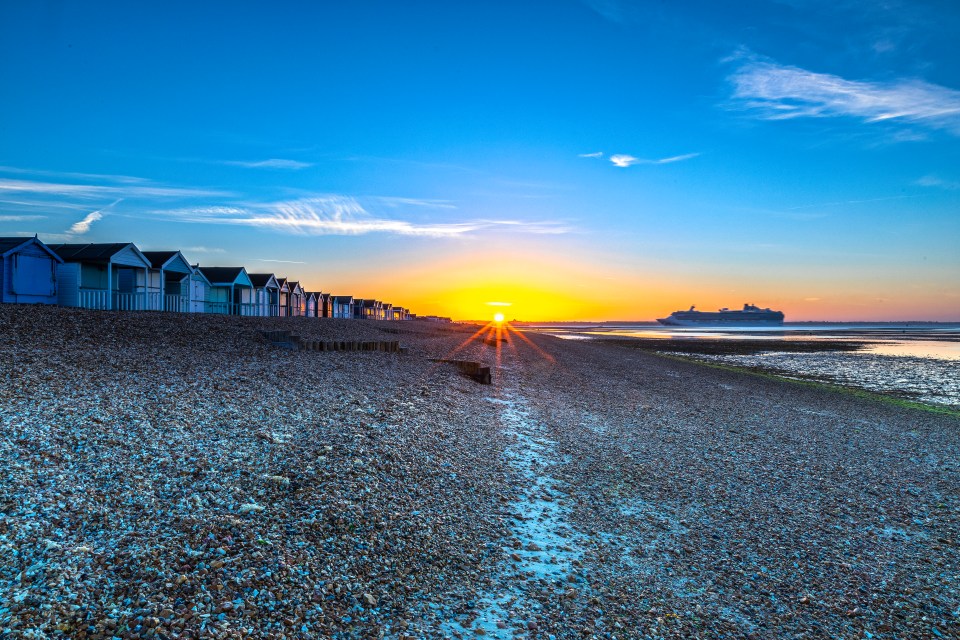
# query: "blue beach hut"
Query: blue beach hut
28,271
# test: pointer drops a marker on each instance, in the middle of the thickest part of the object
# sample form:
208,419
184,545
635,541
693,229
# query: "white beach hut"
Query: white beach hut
102,276
168,281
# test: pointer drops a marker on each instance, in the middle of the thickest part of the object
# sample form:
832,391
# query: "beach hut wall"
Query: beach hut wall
231,291
310,306
165,279
298,300
102,276
28,271
266,294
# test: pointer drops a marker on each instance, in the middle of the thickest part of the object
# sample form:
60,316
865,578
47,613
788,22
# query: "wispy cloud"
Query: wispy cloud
392,201
344,215
934,181
81,227
95,191
625,160
779,92
283,261
20,218
596,154
73,175
499,304
272,163
202,249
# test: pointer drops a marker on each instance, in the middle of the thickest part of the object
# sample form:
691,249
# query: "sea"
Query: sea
917,361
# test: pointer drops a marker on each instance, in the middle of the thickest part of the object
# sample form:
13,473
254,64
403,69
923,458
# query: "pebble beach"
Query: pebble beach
178,476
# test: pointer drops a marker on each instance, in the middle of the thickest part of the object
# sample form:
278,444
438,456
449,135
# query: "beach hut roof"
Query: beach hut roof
264,280
168,260
94,253
9,245
342,298
226,275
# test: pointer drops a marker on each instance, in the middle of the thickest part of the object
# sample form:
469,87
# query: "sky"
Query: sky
551,160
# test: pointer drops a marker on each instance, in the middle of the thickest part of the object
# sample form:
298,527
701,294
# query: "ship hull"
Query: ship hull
751,318
718,322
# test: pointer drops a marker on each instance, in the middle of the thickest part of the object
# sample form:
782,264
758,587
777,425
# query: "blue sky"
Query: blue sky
591,160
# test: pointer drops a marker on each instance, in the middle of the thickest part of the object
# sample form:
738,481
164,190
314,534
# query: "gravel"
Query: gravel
177,476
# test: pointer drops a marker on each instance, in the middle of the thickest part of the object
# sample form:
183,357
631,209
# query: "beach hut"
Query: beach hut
28,271
386,311
199,290
168,281
356,308
310,304
298,301
341,306
324,307
266,294
102,276
369,309
284,309
231,291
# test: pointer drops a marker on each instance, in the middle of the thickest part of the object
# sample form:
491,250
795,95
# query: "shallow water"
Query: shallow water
918,361
931,380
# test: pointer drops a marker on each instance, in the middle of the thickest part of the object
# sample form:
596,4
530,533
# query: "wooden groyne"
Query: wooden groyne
475,370
287,340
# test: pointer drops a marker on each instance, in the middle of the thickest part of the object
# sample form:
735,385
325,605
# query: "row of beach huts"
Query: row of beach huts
119,276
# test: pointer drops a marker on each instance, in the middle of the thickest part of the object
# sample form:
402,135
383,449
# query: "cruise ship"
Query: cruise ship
748,316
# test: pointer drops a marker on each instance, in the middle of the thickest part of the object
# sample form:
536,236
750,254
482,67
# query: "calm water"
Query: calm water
920,361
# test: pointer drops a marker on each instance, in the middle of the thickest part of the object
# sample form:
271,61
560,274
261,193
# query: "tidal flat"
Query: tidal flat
180,476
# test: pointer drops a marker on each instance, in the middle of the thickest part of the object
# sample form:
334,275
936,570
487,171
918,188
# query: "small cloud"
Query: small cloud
812,299
623,160
934,181
81,227
596,154
272,163
84,225
499,304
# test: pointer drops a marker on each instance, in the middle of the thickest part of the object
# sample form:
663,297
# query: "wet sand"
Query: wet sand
176,476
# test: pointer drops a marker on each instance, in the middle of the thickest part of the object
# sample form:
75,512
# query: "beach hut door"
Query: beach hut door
196,296
32,276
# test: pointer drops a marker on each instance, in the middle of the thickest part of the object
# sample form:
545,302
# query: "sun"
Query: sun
498,318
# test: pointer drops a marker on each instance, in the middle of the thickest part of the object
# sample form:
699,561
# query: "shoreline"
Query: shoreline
182,477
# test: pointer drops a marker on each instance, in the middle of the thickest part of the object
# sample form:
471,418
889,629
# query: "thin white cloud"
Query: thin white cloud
272,163
779,92
343,215
596,154
202,249
934,181
72,175
392,201
624,160
20,218
499,304
96,191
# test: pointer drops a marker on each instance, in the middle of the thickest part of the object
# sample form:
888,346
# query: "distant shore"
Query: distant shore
179,476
